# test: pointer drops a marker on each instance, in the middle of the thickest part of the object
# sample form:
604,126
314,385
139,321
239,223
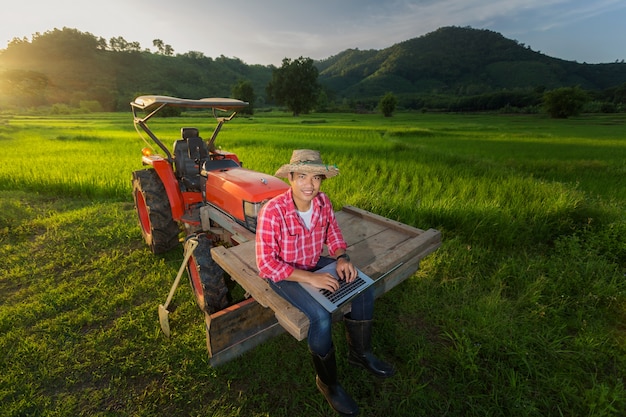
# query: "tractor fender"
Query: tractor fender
165,172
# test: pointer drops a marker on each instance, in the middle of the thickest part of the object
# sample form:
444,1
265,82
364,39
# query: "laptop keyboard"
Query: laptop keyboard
344,290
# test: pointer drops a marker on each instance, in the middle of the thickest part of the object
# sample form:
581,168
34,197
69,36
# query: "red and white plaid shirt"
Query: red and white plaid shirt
283,243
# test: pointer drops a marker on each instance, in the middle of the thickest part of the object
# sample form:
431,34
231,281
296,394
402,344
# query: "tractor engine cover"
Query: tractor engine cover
236,189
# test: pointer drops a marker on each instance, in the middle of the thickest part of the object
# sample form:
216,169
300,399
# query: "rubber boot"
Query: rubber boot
359,336
326,381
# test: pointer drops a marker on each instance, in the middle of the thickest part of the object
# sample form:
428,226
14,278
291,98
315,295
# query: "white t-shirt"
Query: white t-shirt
306,216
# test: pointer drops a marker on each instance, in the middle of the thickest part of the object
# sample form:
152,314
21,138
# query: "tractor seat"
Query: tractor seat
189,132
190,152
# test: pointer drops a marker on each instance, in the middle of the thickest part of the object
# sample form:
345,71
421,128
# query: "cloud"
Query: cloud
579,12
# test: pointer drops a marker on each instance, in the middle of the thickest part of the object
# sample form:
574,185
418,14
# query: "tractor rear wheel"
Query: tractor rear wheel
207,278
158,227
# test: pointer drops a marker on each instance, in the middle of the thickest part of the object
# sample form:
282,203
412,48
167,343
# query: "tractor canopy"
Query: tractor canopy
156,102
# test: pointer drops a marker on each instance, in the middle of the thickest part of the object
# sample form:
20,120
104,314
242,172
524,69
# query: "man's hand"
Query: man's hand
346,270
324,281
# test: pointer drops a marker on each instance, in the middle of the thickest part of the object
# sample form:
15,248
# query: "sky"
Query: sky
266,31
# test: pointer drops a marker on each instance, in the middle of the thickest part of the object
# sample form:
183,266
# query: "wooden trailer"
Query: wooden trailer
386,250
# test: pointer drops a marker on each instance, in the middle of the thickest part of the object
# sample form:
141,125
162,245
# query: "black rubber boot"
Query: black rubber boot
359,336
326,381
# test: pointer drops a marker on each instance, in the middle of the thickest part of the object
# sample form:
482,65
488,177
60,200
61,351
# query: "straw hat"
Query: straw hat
308,162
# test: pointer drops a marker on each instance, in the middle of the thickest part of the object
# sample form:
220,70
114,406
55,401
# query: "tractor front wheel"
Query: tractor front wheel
158,227
207,278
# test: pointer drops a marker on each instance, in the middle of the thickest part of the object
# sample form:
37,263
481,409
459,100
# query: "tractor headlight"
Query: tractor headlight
251,213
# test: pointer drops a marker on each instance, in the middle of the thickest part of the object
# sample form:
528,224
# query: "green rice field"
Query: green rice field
520,312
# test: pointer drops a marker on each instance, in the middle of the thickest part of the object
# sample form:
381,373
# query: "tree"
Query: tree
197,55
322,102
295,85
102,44
387,104
244,91
23,88
118,44
619,95
564,102
162,48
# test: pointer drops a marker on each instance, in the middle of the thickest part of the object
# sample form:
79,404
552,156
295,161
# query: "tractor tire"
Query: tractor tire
158,227
207,278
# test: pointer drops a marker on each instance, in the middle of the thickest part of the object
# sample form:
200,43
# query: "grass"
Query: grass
519,313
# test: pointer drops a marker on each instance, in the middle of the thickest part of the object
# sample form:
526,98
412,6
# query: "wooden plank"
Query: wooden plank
370,250
354,229
395,276
235,323
359,233
375,218
237,329
417,247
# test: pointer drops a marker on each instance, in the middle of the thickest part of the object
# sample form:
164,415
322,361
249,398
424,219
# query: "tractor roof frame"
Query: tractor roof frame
152,104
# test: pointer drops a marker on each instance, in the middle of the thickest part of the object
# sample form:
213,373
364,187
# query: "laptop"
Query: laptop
331,301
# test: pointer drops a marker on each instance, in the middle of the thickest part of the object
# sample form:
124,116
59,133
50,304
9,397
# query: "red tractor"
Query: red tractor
198,189
207,194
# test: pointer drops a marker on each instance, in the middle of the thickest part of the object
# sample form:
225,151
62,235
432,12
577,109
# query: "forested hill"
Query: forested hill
454,60
68,66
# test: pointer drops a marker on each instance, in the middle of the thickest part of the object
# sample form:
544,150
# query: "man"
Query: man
291,232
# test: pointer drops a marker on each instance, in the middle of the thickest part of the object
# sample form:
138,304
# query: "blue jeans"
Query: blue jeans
320,320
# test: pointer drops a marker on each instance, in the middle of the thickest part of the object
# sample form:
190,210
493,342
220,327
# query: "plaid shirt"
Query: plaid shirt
283,243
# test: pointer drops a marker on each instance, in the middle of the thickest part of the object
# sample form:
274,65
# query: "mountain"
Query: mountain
66,66
462,61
